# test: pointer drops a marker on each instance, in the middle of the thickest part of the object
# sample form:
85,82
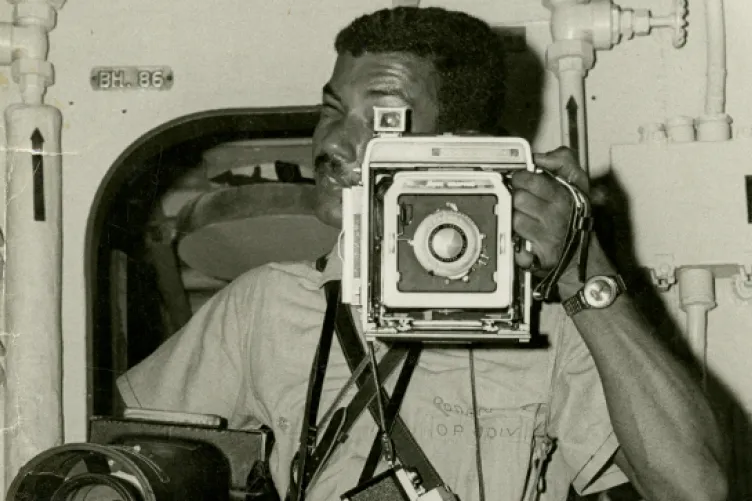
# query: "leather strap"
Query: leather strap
391,412
310,458
406,446
344,419
315,386
578,237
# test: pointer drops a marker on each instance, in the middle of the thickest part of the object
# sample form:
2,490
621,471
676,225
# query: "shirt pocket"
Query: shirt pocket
508,438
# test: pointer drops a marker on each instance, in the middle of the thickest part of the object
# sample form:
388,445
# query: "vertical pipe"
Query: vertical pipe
572,108
715,103
3,341
715,124
696,298
33,279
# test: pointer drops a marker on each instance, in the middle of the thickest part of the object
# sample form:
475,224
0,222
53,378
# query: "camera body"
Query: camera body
150,456
397,484
427,243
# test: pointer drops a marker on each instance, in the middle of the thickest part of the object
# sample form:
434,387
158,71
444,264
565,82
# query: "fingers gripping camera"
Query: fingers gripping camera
427,243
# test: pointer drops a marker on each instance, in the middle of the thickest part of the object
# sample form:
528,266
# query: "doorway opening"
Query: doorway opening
158,213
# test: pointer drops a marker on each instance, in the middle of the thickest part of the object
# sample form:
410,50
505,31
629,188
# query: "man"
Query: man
611,396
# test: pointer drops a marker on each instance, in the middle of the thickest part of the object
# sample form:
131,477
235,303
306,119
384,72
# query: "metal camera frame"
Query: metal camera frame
436,164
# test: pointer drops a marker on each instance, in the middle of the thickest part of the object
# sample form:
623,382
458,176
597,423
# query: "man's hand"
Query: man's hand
543,208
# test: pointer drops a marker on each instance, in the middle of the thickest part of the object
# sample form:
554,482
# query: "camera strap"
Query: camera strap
344,418
315,387
578,238
310,458
391,413
407,448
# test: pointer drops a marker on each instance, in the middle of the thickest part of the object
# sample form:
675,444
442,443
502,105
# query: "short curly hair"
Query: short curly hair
466,53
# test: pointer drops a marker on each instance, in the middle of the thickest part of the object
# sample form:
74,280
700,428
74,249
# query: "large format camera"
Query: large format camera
427,243
150,456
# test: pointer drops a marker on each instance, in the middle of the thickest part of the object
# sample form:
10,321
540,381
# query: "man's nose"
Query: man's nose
344,141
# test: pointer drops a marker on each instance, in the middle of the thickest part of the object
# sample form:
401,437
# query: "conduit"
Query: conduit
715,124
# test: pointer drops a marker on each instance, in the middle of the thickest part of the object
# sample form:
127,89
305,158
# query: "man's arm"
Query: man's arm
671,446
203,367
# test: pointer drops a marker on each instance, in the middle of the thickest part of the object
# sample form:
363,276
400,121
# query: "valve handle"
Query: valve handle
680,23
677,20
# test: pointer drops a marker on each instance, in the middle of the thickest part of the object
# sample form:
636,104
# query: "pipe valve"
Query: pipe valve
605,24
633,22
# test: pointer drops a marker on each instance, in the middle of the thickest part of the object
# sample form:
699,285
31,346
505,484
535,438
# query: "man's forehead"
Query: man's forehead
388,67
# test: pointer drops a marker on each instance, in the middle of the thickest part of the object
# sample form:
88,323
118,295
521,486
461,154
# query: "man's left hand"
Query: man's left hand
543,208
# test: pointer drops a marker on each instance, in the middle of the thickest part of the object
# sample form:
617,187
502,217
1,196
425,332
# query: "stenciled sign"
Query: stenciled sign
131,78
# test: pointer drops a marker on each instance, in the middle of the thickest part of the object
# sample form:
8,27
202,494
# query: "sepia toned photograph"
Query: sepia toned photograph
376,250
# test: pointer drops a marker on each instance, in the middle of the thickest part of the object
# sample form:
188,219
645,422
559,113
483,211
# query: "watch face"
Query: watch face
600,292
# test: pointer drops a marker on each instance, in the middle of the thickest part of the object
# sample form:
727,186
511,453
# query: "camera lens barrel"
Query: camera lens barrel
138,469
95,486
64,473
447,243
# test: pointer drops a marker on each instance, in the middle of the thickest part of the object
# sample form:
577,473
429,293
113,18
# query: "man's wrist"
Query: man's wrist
598,264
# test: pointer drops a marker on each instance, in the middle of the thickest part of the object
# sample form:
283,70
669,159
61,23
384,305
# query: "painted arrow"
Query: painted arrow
574,132
37,164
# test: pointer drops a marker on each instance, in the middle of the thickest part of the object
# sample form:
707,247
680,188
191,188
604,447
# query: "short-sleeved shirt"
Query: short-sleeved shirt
247,353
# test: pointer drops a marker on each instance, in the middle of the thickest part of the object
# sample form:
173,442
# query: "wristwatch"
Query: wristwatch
598,292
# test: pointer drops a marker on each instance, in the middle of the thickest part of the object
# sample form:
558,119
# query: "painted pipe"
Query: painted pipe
696,298
572,111
715,99
32,400
33,283
577,30
715,124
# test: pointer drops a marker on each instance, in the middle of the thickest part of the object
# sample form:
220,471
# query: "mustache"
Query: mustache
325,161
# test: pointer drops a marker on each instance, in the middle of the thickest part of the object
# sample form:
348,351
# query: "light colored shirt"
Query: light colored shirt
246,355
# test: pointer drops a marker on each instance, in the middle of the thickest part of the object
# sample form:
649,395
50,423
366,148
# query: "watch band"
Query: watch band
574,304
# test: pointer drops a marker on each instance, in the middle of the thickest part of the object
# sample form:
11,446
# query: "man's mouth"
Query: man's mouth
330,182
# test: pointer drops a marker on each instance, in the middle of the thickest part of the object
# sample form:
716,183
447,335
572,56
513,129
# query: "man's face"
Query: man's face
357,85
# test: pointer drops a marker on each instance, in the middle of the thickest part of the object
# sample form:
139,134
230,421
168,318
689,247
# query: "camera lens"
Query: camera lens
447,243
96,487
85,472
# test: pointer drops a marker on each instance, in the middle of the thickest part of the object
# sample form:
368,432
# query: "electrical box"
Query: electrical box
690,203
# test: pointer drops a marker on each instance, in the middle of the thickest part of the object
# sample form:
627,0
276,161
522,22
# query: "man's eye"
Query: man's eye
330,107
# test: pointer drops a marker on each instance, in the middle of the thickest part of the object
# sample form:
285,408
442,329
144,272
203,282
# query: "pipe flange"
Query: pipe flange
26,66
562,49
57,4
36,14
743,287
29,42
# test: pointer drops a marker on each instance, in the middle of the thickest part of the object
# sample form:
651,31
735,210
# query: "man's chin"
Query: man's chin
329,216
328,207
